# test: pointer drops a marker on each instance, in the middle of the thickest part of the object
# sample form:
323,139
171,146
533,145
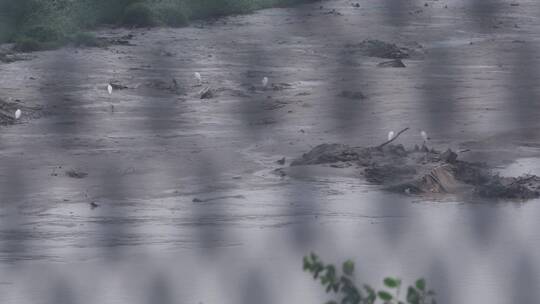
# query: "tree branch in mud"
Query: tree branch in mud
393,138
7,114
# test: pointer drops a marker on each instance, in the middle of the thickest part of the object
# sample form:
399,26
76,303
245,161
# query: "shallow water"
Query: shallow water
521,166
150,241
468,251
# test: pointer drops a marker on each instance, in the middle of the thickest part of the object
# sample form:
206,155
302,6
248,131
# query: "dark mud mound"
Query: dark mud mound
423,171
396,63
387,50
380,49
169,86
123,40
523,187
12,57
352,95
8,55
327,153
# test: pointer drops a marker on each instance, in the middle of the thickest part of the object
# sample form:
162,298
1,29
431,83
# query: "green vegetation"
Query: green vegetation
42,24
138,15
345,288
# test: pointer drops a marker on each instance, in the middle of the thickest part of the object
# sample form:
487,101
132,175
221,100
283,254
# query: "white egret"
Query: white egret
391,135
198,77
109,88
424,136
265,82
18,114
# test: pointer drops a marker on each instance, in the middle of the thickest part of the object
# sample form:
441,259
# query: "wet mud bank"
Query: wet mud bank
422,171
13,111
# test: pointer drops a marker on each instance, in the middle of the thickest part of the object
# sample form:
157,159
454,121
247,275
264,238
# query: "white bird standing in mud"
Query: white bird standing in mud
264,82
391,135
198,77
424,136
18,114
110,89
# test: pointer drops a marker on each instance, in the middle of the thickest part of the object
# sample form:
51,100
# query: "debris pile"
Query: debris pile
396,63
76,174
386,50
206,93
423,171
170,86
380,49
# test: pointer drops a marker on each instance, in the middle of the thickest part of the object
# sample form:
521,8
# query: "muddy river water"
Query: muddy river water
180,203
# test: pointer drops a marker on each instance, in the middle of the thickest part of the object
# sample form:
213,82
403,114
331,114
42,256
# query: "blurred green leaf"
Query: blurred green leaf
391,282
369,290
344,286
306,264
384,295
413,297
348,267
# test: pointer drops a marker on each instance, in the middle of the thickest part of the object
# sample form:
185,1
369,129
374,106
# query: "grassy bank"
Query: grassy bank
41,24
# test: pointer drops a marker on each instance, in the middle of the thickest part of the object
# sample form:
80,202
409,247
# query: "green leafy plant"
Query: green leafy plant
138,14
38,24
343,285
171,13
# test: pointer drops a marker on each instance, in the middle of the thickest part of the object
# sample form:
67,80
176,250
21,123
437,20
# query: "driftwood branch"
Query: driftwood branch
392,139
7,114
